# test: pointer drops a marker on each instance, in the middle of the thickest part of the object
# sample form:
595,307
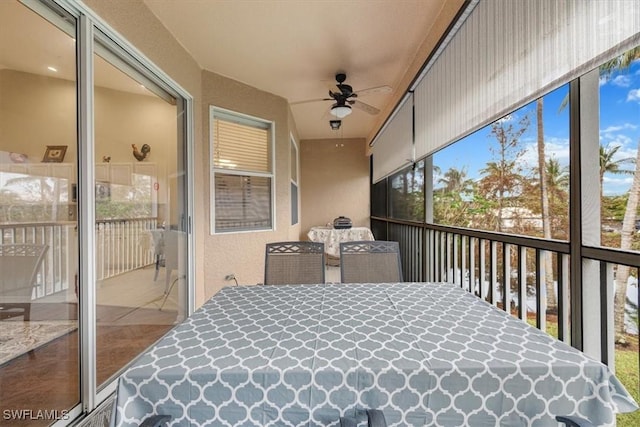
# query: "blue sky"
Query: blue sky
619,126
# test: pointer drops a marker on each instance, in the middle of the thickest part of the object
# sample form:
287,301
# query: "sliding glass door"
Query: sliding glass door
139,240
93,210
39,359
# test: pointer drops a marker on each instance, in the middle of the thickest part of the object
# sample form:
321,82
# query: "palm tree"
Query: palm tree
557,178
451,206
630,215
544,204
626,240
455,180
558,188
608,164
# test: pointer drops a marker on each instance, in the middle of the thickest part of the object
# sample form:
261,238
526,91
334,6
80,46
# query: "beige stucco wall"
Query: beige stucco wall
335,181
242,254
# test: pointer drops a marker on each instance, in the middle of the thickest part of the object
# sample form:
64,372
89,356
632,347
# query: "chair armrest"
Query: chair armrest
573,421
155,420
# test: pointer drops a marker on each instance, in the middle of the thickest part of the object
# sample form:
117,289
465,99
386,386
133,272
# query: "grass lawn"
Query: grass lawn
628,372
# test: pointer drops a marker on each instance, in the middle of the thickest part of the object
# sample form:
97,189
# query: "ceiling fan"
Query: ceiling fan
343,98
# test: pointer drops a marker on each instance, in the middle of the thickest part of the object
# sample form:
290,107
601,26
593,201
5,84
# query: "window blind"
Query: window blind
508,53
240,146
242,202
393,147
242,175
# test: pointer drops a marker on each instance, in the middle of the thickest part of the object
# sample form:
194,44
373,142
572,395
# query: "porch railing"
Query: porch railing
57,270
529,277
121,246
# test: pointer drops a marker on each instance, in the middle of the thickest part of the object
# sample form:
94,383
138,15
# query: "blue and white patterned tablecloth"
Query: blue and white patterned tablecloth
302,355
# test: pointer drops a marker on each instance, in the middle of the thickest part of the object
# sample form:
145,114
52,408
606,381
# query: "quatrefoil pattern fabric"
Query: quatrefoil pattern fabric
303,355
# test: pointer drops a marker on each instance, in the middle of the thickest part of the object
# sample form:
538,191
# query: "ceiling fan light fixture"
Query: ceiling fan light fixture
340,111
335,124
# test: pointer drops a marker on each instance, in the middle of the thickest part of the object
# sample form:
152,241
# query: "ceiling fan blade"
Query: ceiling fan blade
307,101
374,90
366,107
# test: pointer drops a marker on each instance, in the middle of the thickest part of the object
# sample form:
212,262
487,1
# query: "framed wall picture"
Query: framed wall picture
54,153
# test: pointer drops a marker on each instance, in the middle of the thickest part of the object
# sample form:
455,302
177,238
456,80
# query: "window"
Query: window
242,172
491,179
294,182
406,193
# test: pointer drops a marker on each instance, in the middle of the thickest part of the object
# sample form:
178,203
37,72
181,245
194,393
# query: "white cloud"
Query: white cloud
621,80
556,148
615,185
615,139
633,95
619,128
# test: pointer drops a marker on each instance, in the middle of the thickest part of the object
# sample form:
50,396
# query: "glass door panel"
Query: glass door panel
39,363
137,232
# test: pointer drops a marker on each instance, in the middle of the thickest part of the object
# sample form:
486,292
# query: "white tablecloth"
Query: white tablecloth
332,237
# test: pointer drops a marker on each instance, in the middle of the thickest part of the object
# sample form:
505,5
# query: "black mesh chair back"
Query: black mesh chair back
289,263
370,262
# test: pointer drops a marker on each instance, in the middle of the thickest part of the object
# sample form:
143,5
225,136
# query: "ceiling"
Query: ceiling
294,48
291,48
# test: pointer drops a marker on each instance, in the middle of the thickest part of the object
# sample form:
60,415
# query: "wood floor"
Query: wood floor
47,378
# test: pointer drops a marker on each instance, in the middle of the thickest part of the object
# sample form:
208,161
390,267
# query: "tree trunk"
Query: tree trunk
626,238
551,303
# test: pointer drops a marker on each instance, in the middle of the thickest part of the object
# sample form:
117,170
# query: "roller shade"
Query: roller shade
393,147
508,53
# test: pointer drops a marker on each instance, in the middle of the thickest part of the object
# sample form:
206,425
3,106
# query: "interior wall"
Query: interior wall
121,119
242,254
335,182
29,98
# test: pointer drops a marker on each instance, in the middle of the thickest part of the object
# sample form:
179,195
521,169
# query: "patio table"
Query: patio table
332,237
303,355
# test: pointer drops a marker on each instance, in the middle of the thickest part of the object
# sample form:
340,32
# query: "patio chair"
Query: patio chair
165,248
573,421
288,263
375,418
19,265
375,261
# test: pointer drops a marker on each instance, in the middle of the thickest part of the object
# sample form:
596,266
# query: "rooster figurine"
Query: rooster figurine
142,153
